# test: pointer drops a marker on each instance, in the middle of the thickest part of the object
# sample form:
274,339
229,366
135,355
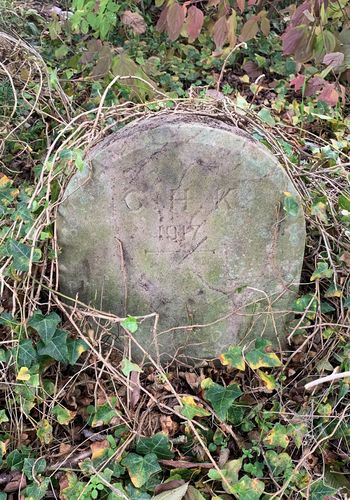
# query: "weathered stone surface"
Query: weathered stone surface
185,213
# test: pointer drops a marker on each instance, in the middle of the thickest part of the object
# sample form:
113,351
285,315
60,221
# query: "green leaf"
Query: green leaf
280,464
3,417
220,397
26,354
75,348
130,323
322,271
277,437
63,415
347,302
248,489
344,201
37,491
233,358
103,414
140,469
127,367
262,356
290,204
44,431
56,347
191,409
320,491
158,444
306,302
265,115
33,465
21,254
45,325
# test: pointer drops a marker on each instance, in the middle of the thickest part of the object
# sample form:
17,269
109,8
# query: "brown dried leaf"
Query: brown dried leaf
265,25
345,257
17,481
249,30
220,32
175,19
195,18
193,380
169,427
134,21
170,485
136,389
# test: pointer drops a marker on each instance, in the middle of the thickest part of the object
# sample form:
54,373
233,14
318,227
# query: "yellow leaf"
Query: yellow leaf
4,180
23,374
245,79
269,380
99,448
188,400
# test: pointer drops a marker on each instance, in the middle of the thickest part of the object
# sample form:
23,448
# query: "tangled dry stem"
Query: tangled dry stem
81,130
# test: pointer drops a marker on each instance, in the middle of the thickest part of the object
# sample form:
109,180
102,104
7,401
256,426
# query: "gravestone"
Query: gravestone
183,216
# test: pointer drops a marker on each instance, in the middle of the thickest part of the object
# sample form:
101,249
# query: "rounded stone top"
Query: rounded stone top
182,215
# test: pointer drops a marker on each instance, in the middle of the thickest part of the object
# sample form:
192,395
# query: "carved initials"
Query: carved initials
222,195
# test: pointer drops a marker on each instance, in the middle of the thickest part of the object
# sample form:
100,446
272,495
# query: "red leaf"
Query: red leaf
220,32
175,20
162,24
249,30
329,94
297,82
292,39
135,21
241,5
195,18
252,70
333,59
313,85
252,2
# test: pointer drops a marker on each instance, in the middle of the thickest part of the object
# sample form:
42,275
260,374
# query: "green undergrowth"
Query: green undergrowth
79,419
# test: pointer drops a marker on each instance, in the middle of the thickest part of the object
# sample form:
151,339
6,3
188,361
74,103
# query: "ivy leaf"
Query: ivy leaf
321,491
75,348
191,409
220,397
103,414
45,325
290,205
44,432
281,464
277,437
23,374
127,367
248,489
304,302
265,115
26,354
21,254
230,473
268,380
233,358
37,491
3,417
33,465
63,415
322,271
130,323
262,356
158,444
140,469
56,347
344,201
